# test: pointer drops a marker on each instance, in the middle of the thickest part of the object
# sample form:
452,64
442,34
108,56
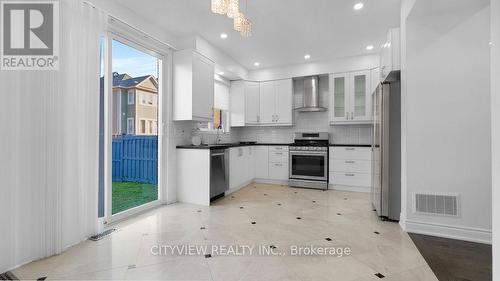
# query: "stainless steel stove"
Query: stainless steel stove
309,160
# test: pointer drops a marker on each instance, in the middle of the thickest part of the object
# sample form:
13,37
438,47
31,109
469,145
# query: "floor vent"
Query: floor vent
101,235
437,204
8,276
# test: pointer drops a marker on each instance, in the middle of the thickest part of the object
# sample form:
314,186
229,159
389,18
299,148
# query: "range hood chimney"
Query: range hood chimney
311,95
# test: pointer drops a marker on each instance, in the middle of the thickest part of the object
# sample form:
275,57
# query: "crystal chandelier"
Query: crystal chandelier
231,8
219,6
246,28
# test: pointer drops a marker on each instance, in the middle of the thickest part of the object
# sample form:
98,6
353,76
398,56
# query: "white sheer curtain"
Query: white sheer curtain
49,145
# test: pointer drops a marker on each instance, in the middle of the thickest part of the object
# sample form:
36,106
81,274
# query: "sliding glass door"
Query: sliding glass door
133,114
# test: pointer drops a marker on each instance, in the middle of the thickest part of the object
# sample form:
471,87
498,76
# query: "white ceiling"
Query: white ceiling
283,30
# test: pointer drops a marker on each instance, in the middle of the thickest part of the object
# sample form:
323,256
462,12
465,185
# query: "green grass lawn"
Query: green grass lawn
127,195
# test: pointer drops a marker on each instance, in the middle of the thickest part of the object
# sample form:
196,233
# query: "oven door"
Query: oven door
309,165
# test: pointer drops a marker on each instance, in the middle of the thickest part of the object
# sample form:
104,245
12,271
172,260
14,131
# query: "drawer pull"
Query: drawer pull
278,165
350,148
278,153
349,175
350,162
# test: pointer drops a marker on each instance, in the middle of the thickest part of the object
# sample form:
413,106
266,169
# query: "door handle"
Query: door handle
349,175
350,162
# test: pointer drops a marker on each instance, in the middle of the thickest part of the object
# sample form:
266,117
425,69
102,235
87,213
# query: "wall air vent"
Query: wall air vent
437,204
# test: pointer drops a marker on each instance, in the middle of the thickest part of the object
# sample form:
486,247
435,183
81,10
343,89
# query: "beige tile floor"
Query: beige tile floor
344,217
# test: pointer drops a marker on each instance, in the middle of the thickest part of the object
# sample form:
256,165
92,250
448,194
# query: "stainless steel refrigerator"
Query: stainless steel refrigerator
386,148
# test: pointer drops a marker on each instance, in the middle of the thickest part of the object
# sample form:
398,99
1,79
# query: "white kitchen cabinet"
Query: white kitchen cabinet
252,103
250,150
267,102
276,102
350,98
278,163
238,167
390,56
284,101
193,86
193,189
261,153
350,168
237,103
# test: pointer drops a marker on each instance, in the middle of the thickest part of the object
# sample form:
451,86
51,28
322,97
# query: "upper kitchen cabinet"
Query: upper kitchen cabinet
244,99
390,56
252,103
350,98
276,102
237,103
193,86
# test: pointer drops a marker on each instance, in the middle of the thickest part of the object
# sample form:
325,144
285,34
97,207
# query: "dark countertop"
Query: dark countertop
227,145
351,145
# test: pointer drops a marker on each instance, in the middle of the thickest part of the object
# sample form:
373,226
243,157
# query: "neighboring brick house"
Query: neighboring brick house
135,105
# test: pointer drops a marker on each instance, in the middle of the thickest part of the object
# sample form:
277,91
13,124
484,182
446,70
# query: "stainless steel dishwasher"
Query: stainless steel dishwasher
219,176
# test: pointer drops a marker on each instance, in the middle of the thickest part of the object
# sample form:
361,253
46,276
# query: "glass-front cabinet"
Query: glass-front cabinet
350,97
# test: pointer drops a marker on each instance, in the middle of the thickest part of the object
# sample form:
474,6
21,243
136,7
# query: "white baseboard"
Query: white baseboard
364,189
234,189
268,181
470,234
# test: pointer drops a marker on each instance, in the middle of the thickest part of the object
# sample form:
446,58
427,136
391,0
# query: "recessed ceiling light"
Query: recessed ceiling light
307,57
359,6
369,47
221,73
223,35
256,64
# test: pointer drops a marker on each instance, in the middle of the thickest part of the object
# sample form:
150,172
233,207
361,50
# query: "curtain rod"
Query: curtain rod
145,34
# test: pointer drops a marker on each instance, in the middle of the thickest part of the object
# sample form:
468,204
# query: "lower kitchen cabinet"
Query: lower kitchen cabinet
261,154
350,168
278,163
239,163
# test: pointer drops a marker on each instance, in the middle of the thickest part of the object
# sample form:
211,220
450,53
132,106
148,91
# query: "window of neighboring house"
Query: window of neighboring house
131,97
142,127
148,99
130,126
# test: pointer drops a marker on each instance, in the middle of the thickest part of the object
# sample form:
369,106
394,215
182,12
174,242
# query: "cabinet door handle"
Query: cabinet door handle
278,153
350,148
278,165
349,175
258,119
350,162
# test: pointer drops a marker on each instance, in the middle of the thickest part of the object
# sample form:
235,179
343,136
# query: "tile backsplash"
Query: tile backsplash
303,122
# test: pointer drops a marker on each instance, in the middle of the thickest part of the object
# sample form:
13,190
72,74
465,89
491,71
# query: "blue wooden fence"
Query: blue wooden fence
135,159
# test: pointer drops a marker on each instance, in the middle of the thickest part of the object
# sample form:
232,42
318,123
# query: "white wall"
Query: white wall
447,115
495,117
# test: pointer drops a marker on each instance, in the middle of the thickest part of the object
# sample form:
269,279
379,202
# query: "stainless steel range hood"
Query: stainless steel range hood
311,95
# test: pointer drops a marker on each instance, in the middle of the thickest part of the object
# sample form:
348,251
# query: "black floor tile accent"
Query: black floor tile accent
279,204
241,207
208,256
376,232
42,278
328,239
253,222
452,259
299,218
202,227
379,275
